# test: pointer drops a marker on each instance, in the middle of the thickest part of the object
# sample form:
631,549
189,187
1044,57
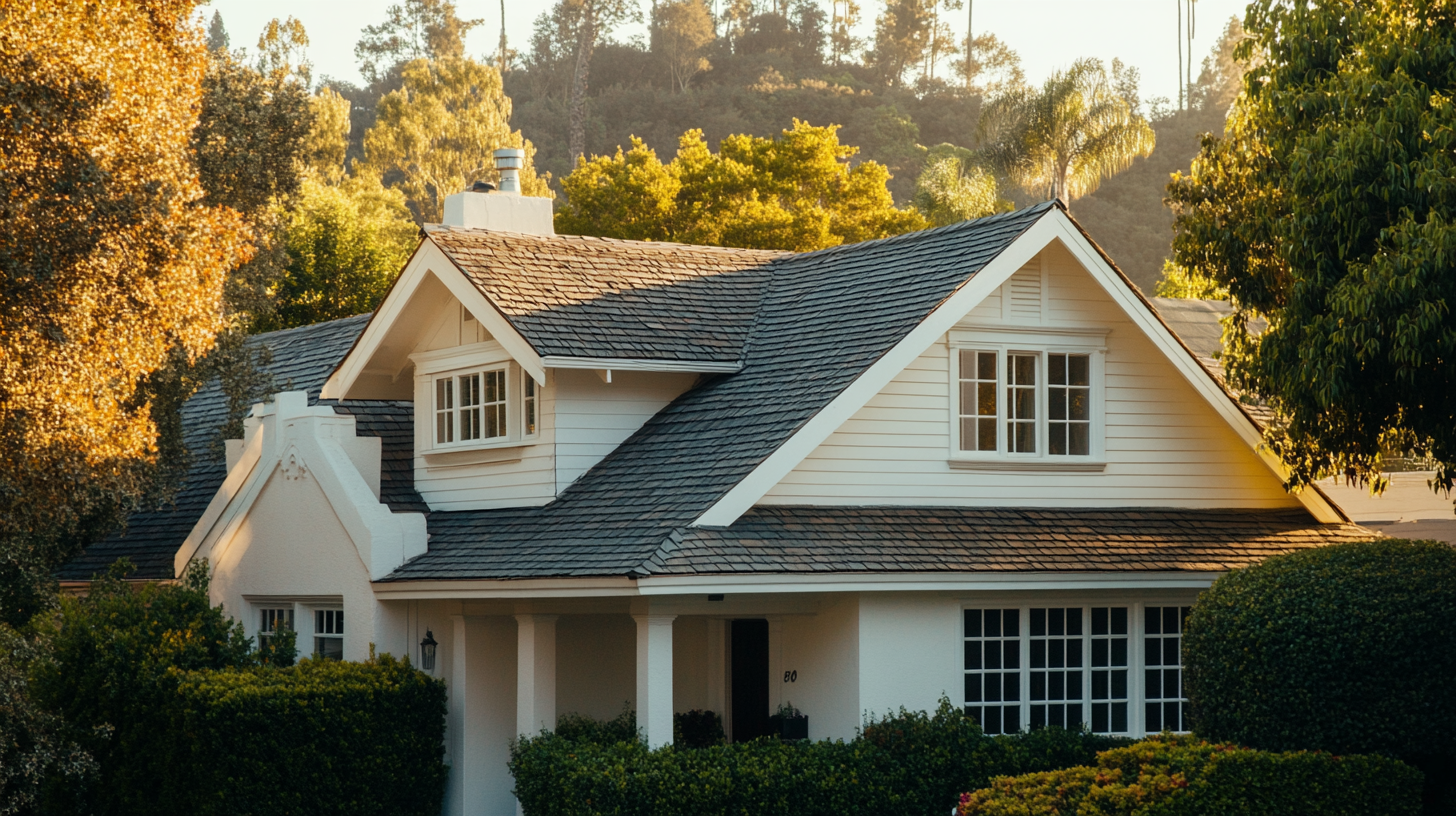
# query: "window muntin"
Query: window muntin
271,619
528,404
1021,403
1109,669
978,404
1056,667
993,669
1166,707
473,407
1069,404
328,633
445,410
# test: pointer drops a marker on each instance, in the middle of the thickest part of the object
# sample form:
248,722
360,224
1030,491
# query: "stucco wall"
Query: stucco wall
596,664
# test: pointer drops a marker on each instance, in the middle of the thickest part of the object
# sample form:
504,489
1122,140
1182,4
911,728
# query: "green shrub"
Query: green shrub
323,736
697,729
1346,649
1186,777
908,764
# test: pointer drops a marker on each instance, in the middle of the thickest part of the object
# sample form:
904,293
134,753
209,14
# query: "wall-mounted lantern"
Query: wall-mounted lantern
427,651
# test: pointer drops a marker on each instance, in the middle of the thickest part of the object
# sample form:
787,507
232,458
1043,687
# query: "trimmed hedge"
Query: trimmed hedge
1183,776
1347,649
320,737
910,764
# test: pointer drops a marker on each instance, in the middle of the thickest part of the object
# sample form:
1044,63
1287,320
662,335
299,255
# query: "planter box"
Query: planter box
794,728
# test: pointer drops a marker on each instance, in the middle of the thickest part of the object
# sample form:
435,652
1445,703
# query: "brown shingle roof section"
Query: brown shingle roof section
955,539
599,297
1196,322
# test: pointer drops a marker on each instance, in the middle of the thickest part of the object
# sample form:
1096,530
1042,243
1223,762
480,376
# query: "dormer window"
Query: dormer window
474,396
1024,397
471,407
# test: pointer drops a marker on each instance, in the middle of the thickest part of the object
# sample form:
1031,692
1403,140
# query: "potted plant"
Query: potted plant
789,723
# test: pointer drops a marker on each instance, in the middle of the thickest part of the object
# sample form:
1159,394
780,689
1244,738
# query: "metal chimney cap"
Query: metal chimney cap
509,158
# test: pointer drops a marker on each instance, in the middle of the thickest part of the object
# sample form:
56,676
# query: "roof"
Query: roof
297,359
580,296
1197,323
997,539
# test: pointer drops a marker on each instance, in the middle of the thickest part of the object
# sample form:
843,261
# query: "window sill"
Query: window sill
496,454
1027,465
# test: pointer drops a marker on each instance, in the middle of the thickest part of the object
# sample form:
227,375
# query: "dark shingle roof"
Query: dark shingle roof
1196,322
997,539
301,359
600,297
824,318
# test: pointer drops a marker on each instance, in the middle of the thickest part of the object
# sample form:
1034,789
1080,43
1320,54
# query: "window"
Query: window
328,633
1163,668
474,407
1076,672
271,619
1024,404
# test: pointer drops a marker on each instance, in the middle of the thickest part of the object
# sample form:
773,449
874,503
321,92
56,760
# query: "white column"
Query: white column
460,787
654,678
535,674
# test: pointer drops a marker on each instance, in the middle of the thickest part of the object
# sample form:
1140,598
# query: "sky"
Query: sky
1048,34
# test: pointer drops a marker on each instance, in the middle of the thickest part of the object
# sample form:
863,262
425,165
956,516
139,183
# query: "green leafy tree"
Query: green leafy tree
439,130
1327,208
952,188
1063,139
113,261
680,30
795,192
35,751
903,34
414,29
217,36
1178,282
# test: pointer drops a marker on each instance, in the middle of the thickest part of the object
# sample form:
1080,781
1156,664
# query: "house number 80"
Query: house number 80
791,676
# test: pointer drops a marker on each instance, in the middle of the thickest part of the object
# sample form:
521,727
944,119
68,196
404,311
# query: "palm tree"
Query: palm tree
1065,137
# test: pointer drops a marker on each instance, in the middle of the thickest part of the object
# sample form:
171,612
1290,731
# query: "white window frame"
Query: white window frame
477,359
1041,343
1137,691
318,612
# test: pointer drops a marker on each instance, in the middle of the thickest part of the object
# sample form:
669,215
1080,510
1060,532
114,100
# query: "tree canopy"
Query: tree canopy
112,257
1327,208
795,192
954,188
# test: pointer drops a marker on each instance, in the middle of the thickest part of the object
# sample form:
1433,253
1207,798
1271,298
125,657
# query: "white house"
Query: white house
972,461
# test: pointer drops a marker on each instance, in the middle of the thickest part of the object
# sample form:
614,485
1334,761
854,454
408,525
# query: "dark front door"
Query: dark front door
749,640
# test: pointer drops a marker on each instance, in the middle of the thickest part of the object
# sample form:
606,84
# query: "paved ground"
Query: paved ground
1407,509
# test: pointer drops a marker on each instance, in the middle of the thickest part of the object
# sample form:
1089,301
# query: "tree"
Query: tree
415,29
1063,139
439,130
1222,77
1178,282
953,189
844,19
590,20
35,751
902,36
1327,208
112,260
679,31
217,36
990,68
796,192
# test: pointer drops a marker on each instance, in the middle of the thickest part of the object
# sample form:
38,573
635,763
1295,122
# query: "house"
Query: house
971,462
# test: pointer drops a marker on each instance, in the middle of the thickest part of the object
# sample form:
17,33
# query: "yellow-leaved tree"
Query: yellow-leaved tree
795,192
111,262
439,130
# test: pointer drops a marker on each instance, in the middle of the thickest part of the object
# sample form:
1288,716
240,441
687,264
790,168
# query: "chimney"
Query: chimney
503,209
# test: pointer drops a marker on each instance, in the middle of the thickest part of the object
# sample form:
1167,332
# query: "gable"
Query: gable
1164,445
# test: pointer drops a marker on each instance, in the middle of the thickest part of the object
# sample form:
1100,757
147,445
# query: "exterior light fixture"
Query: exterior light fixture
427,651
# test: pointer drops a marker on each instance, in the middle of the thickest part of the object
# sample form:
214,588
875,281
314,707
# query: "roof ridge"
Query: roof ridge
445,229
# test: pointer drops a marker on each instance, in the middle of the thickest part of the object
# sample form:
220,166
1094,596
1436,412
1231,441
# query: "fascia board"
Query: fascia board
430,260
1141,314
632,364
237,488
921,582
942,319
517,588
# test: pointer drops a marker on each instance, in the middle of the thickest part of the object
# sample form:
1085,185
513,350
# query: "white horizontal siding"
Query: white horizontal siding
593,417
1165,446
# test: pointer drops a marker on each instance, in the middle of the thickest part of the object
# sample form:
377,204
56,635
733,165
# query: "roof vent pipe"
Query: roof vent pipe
508,160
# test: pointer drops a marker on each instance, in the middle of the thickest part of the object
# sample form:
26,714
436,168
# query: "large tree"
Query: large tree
439,131
1062,139
1327,208
111,259
796,192
414,29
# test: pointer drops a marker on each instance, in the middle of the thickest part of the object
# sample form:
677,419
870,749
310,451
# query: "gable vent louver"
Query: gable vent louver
1023,294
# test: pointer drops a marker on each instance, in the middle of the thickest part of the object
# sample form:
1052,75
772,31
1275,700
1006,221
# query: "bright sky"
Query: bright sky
1048,34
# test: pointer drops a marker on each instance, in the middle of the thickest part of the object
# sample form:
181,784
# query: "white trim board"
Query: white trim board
1054,225
633,364
430,261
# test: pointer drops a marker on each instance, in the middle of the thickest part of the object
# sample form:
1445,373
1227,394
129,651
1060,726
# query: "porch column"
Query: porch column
654,677
467,786
535,674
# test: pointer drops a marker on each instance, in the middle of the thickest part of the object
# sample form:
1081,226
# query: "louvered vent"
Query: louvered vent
1023,294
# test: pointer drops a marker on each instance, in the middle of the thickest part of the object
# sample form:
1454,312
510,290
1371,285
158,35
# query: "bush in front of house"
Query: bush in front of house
907,764
1349,649
1183,776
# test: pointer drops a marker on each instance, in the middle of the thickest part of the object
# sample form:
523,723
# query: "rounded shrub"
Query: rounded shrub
1346,649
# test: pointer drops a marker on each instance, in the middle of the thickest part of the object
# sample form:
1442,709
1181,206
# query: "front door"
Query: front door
749,656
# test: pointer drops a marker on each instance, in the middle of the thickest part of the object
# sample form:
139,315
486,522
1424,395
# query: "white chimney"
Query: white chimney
504,209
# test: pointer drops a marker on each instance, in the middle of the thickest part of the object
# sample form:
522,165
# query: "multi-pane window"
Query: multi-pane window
328,633
1109,669
1056,667
993,668
471,407
978,400
1069,404
528,405
271,620
1021,403
1163,668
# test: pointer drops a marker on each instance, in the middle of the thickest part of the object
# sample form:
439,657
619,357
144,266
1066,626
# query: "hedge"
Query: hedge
321,737
1349,649
1182,776
910,764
